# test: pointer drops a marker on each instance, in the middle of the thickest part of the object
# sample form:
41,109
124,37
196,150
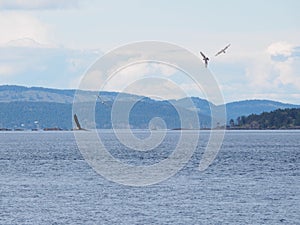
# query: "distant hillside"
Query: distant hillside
13,93
277,119
24,106
31,115
239,108
247,107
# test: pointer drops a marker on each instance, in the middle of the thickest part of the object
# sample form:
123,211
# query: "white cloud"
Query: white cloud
16,26
289,72
37,4
271,71
280,48
149,79
287,69
271,77
27,43
133,73
28,55
156,88
49,67
163,69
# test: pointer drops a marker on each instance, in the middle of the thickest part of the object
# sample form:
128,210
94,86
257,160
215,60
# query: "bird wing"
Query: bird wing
203,55
223,50
218,53
226,47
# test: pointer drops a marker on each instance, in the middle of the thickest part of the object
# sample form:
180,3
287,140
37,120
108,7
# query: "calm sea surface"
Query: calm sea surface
255,179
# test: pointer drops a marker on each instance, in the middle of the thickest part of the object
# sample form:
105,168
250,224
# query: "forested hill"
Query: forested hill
38,107
277,119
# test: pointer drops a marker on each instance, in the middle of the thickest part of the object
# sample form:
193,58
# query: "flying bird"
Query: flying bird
223,50
101,100
205,59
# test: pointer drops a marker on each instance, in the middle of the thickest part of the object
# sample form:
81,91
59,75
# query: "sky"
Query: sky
53,43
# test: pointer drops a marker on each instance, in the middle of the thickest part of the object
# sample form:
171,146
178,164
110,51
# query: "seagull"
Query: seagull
205,59
101,100
223,50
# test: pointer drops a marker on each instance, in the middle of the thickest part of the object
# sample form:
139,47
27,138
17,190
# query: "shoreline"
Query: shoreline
173,129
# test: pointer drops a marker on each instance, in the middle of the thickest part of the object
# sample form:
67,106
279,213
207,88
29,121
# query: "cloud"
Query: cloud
16,26
37,4
136,72
280,48
163,69
282,51
296,51
156,88
44,66
270,71
273,73
285,63
154,80
289,72
27,43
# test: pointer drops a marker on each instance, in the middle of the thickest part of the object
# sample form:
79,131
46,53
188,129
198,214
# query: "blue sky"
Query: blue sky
52,43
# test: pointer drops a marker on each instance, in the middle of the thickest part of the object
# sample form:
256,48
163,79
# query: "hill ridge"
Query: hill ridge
18,102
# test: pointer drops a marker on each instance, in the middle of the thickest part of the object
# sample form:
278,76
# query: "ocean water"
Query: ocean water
255,179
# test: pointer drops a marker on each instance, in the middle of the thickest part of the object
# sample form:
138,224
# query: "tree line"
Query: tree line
277,119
